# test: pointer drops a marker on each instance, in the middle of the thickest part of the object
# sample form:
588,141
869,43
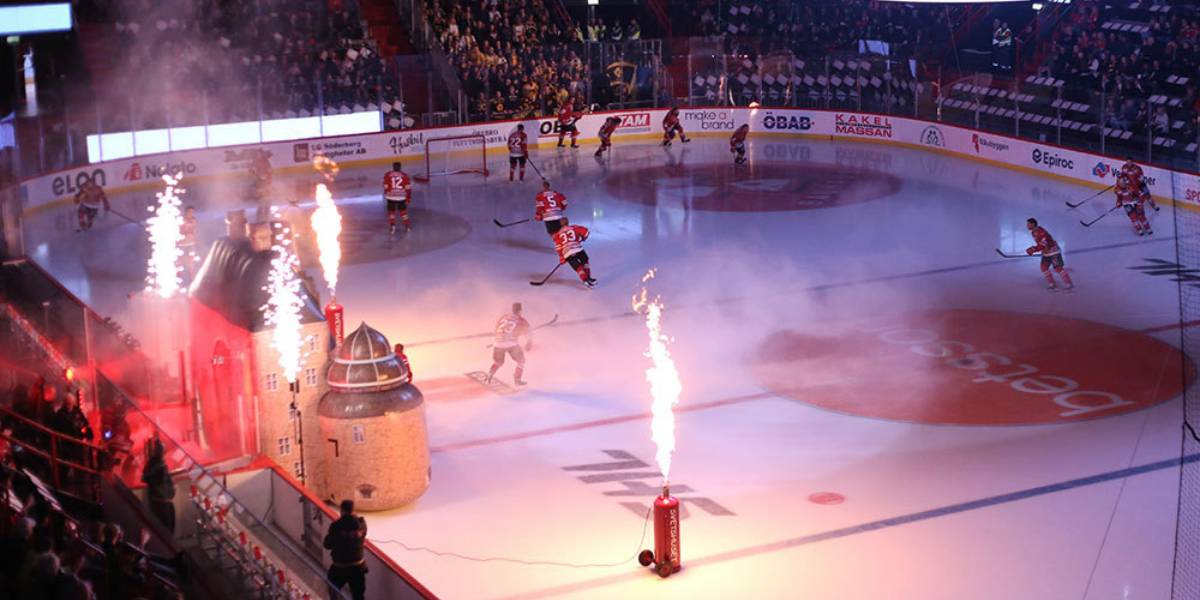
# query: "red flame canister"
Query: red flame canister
666,533
335,317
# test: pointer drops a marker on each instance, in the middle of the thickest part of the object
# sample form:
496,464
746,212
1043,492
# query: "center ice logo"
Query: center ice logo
972,367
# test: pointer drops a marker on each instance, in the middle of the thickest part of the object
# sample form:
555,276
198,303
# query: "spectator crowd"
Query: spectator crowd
1132,65
52,545
514,58
236,60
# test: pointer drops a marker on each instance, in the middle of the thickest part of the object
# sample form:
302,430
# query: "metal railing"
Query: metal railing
127,430
71,464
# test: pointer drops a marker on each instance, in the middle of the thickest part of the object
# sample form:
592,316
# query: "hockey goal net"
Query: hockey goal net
454,155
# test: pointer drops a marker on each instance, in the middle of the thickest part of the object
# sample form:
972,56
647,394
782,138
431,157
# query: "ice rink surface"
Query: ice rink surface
875,404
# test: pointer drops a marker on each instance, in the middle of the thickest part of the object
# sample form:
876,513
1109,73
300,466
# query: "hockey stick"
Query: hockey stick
529,160
499,224
1081,202
1015,255
1093,221
548,275
119,214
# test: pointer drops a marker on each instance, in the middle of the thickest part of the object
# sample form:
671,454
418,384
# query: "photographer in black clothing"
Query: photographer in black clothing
345,544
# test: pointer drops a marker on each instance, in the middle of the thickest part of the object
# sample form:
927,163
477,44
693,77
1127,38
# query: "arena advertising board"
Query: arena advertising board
143,172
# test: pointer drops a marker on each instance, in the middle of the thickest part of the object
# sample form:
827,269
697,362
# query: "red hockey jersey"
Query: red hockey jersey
518,144
1043,242
566,114
509,329
608,128
396,186
568,241
550,206
738,138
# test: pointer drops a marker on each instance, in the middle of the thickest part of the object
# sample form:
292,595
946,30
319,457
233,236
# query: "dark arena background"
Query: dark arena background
600,299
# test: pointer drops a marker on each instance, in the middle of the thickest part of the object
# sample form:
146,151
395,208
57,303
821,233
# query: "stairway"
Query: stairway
384,27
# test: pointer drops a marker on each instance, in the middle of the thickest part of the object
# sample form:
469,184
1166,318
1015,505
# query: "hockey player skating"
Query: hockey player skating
549,208
1137,178
1130,198
671,126
90,198
606,131
568,242
1045,245
397,192
737,144
567,117
509,331
518,151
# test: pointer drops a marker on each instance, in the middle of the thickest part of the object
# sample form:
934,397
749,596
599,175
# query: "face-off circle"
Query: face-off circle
973,367
756,187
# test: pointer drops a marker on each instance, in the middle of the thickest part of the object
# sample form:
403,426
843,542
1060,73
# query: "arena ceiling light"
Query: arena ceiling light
35,18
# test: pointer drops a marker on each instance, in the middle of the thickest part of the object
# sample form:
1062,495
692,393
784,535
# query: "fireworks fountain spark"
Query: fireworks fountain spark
327,227
662,376
165,231
283,308
326,166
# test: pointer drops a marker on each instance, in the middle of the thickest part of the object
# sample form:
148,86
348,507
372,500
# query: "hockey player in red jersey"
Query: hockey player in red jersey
606,130
671,126
518,151
90,198
1051,254
568,242
397,192
737,143
1137,179
1131,198
567,118
549,208
509,331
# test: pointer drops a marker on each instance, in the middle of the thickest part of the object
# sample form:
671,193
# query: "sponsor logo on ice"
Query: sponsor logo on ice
1051,160
981,142
785,122
932,136
864,125
338,150
635,121
71,183
137,172
709,120
787,152
400,143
